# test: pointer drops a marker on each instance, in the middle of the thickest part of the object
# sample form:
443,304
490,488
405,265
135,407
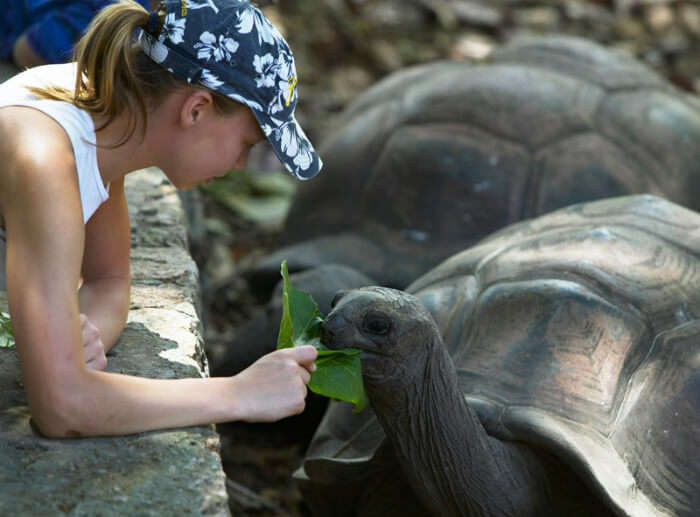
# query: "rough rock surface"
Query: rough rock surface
173,472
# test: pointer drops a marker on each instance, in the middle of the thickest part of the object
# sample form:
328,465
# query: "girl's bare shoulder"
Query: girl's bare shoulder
35,153
30,138
26,131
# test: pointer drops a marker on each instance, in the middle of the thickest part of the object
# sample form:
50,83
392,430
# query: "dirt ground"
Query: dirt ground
342,47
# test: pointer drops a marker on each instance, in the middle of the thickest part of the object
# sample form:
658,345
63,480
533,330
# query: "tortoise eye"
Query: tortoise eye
376,323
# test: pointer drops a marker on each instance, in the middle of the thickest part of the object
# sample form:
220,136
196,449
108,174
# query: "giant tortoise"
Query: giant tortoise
437,156
553,369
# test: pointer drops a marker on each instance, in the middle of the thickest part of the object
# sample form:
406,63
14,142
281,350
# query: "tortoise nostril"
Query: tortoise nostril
332,329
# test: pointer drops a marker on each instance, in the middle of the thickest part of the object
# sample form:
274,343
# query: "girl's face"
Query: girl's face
214,147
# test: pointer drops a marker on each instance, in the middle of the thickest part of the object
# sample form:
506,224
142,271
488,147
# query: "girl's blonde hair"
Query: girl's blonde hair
115,76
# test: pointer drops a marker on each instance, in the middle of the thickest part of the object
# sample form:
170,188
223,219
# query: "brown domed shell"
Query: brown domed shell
578,332
436,157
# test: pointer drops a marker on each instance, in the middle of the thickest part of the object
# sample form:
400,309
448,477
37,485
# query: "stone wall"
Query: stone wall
173,472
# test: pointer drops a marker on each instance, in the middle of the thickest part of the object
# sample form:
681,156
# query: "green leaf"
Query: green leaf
339,376
338,372
7,338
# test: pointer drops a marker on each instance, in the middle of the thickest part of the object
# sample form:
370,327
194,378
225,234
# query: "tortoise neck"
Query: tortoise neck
440,443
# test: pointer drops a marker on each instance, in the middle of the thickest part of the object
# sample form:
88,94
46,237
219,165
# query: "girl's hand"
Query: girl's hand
274,387
93,348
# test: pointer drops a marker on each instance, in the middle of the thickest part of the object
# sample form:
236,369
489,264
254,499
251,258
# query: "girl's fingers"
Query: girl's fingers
305,356
97,363
305,375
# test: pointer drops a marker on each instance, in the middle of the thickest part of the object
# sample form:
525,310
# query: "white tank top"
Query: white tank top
77,124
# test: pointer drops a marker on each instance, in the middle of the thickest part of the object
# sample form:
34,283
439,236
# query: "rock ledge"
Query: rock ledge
174,472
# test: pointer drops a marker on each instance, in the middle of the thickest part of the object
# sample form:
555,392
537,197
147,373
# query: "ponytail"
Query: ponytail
114,76
107,83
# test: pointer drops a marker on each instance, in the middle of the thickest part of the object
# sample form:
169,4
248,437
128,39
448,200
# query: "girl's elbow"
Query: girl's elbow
60,417
53,430
49,426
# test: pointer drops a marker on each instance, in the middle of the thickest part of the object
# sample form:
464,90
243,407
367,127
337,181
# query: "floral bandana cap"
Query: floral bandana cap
231,47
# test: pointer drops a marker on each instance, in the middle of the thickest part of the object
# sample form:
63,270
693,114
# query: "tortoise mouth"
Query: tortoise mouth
337,334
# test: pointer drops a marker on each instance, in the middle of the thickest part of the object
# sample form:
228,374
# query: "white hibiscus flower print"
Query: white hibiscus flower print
286,85
153,48
285,66
304,158
208,47
294,144
268,129
286,96
276,105
173,29
266,69
191,4
251,104
249,17
289,142
210,80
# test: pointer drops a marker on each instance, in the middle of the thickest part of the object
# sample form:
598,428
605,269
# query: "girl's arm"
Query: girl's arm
105,289
45,242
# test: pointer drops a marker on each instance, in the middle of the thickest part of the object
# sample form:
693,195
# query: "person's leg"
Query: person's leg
13,23
24,56
53,28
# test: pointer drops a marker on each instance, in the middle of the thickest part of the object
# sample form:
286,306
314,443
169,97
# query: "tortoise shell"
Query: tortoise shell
438,156
577,332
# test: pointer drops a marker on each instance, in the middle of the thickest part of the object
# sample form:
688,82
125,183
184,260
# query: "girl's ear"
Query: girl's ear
195,106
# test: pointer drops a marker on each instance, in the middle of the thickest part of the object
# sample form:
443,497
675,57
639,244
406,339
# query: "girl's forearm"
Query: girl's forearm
106,304
115,404
83,402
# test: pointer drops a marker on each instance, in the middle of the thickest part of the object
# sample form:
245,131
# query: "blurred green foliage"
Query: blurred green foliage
263,198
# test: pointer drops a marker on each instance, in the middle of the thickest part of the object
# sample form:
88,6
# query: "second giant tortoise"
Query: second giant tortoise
435,157
554,369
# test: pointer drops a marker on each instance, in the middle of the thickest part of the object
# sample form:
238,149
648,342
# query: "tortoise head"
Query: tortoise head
392,328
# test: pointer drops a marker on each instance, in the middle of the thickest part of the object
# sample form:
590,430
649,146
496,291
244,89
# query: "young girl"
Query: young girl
189,88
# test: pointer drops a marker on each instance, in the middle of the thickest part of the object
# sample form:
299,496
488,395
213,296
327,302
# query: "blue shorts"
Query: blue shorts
52,26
